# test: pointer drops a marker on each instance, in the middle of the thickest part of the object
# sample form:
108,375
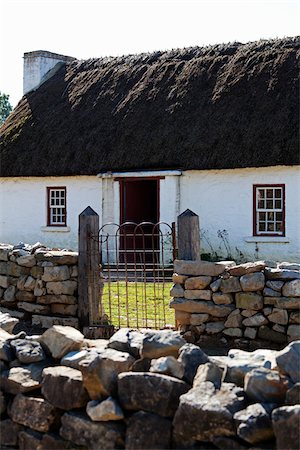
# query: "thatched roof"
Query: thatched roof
223,106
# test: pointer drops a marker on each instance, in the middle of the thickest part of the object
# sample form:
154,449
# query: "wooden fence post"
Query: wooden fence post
88,268
188,236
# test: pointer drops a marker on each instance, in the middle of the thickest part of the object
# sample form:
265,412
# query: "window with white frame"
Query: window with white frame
269,210
57,212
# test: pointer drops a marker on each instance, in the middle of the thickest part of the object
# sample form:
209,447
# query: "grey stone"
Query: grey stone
100,374
205,413
148,431
293,332
233,332
289,266
234,320
286,428
209,372
62,386
249,300
231,284
250,333
61,340
281,274
265,385
26,260
214,327
248,312
9,294
215,285
56,273
287,302
268,292
288,361
167,365
246,268
67,287
197,268
275,285
7,322
4,281
127,340
255,321
267,310
33,308
279,328
161,343
293,395
270,301
103,411
197,294
22,378
5,249
30,439
61,299
39,288
198,319
36,272
60,257
180,279
265,333
279,316
252,282
254,424
29,284
294,317
191,357
49,321
197,282
32,412
25,296
222,299
28,351
72,359
207,307
177,291
150,392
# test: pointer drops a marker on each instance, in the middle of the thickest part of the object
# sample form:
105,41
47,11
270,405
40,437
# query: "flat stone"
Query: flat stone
182,318
167,365
25,296
9,294
265,333
66,310
293,332
231,284
243,269
61,287
57,257
22,378
267,311
197,282
209,372
150,392
287,302
233,332
32,412
294,317
255,321
222,299
234,320
265,385
39,288
72,359
198,319
33,308
288,359
248,312
4,281
293,395
26,261
250,333
214,327
252,282
203,406
7,322
197,294
206,307
9,433
28,351
127,340
281,274
61,340
14,270
29,284
177,291
49,321
5,249
103,411
268,292
291,289
270,301
254,424
275,285
161,343
36,272
56,273
288,265
249,300
61,299
279,316
191,357
197,268
285,421
100,373
81,431
215,285
148,431
62,386
180,279
279,328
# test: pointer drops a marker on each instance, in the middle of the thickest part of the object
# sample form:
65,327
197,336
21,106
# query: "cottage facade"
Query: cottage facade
143,138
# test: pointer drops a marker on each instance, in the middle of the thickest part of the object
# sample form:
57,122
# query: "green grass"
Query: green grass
138,305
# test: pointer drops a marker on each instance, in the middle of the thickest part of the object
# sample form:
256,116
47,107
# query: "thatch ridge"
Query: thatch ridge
221,106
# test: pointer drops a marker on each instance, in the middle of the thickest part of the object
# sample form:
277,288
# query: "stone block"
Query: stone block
197,294
265,386
22,379
39,288
214,327
234,320
14,270
127,340
233,332
49,321
36,272
250,333
28,352
252,282
32,412
207,307
177,291
279,328
249,300
282,274
182,318
148,431
293,332
254,424
255,321
179,279
61,299
294,317
291,289
33,308
243,269
191,357
105,410
208,372
60,257
197,319
287,361
161,343
270,301
197,282
60,340
275,285
26,261
5,249
293,395
167,365
4,281
231,284
265,333
197,268
268,292
61,287
66,310
248,312
9,294
150,392
222,299
287,302
285,421
7,322
279,316
9,433
215,285
56,273
25,296
29,284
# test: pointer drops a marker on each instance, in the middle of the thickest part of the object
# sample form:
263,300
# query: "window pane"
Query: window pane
261,193
277,193
278,226
269,193
269,204
262,226
270,226
279,216
261,204
262,216
278,204
270,216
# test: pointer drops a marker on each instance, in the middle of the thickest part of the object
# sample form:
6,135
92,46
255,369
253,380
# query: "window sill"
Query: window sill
268,239
56,229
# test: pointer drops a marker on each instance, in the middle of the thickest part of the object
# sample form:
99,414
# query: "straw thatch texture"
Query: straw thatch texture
225,106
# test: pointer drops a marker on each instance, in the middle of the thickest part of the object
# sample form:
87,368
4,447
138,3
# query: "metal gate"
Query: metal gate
137,266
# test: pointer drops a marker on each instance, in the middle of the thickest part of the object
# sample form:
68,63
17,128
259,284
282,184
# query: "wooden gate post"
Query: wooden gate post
88,268
188,236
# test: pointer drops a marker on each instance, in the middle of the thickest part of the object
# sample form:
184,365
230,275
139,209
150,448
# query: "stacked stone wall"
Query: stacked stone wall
249,301
39,285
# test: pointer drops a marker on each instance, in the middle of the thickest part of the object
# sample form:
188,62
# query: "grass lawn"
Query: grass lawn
138,305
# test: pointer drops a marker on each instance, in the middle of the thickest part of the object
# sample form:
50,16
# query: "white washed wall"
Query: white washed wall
223,201
23,208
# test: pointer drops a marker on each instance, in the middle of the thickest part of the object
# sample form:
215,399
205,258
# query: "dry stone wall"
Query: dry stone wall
248,301
39,285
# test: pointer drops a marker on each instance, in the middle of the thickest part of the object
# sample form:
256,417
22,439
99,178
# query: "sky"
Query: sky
95,28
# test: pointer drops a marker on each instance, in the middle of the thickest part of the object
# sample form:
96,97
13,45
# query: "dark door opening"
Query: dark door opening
139,202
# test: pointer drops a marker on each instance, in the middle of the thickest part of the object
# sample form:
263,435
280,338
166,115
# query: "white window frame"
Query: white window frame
268,208
56,206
